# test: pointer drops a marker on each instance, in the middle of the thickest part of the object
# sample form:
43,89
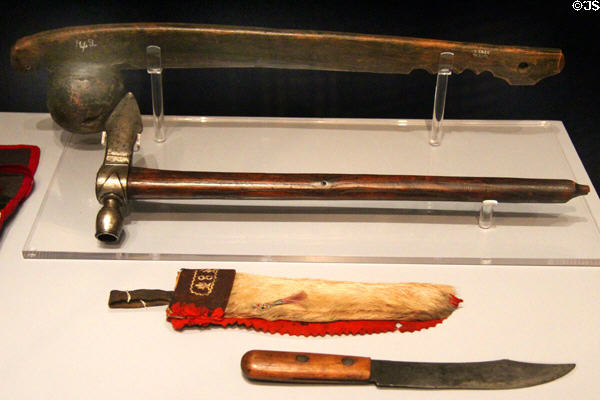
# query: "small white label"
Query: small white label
482,53
85,44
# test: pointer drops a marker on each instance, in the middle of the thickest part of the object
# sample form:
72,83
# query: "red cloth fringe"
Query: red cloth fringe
27,184
181,315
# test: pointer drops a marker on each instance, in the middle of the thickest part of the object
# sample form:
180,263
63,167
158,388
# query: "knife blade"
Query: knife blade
279,366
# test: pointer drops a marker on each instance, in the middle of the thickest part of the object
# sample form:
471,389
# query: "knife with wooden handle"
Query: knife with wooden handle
293,367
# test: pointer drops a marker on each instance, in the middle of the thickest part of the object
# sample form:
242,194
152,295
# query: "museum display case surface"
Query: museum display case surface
529,283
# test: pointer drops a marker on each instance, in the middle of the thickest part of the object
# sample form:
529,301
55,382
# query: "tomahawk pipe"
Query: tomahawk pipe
118,181
144,183
84,84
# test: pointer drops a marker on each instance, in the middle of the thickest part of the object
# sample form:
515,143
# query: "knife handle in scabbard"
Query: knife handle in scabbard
139,298
280,366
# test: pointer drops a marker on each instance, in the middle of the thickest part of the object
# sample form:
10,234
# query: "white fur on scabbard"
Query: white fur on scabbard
313,300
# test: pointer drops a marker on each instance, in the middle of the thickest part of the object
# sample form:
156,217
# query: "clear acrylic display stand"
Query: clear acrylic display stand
329,231
154,68
439,98
486,214
436,134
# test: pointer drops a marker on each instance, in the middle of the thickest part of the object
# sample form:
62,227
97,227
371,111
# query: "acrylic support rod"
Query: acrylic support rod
439,101
486,213
154,68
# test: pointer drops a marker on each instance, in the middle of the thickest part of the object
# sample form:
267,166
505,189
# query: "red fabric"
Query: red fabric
455,301
181,315
27,184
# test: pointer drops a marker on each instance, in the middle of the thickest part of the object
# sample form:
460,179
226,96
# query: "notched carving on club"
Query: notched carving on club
123,46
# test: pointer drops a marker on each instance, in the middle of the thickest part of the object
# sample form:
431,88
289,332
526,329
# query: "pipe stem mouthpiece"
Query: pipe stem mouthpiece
109,222
581,190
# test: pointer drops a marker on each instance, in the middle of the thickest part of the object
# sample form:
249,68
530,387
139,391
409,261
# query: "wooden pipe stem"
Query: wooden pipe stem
144,183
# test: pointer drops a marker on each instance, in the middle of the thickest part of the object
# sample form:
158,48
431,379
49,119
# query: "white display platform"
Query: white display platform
329,231
59,339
